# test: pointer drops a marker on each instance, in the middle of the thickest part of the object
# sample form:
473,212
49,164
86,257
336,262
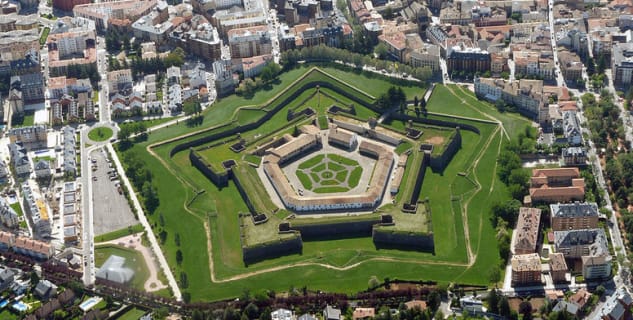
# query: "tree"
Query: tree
434,300
493,301
177,239
525,308
35,279
184,281
600,289
416,101
504,307
179,257
381,51
251,311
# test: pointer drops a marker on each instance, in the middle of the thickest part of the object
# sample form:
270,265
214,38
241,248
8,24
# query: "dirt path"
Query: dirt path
133,241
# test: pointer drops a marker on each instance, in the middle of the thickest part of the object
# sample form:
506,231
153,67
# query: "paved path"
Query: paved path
133,241
150,233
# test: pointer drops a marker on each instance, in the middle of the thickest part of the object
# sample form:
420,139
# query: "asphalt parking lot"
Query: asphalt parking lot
111,209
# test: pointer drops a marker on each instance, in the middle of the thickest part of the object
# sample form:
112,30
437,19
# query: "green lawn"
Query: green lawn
455,203
100,134
305,180
133,260
44,36
311,162
16,207
119,233
27,120
132,314
354,177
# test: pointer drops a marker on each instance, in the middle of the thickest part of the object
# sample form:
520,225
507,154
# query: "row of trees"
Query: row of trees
324,53
142,179
603,119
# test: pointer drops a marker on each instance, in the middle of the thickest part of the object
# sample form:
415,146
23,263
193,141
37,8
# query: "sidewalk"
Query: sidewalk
150,233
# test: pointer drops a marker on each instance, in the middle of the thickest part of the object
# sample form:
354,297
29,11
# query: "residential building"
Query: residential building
342,138
253,66
571,128
579,243
204,41
426,56
7,240
249,42
617,306
421,304
114,13
45,290
570,65
69,164
42,169
8,216
307,316
120,82
68,5
557,267
70,99
596,267
37,212
39,250
622,64
19,160
363,313
574,216
580,298
6,278
534,63
471,59
4,173
282,314
71,42
556,185
526,95
154,26
526,269
331,313
13,21
29,135
30,86
19,51
224,80
527,231
574,156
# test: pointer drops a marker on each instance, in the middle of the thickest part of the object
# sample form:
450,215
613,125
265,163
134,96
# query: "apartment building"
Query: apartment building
249,42
527,230
526,95
557,267
526,269
622,64
574,216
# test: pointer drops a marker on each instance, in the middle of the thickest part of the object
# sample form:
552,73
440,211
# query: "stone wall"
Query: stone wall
439,162
219,178
268,250
336,229
390,238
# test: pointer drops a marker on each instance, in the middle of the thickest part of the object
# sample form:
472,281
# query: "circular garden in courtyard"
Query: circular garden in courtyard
329,173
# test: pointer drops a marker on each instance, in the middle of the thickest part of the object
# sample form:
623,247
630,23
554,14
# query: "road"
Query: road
88,213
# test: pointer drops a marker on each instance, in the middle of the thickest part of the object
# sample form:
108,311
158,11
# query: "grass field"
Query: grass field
132,314
119,233
133,260
100,134
459,209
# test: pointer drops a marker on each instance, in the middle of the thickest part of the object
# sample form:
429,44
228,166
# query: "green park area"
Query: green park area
214,220
327,173
99,134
